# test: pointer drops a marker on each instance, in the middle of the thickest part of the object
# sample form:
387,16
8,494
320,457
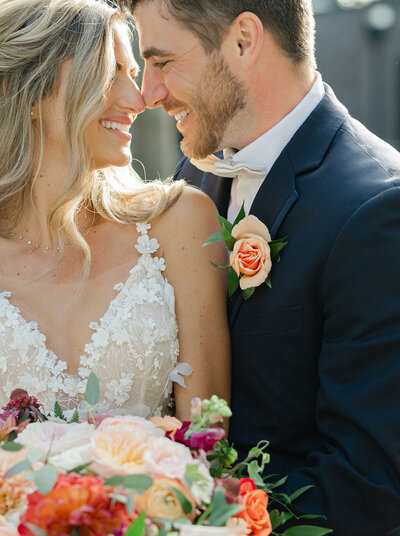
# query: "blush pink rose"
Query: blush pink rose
167,458
251,255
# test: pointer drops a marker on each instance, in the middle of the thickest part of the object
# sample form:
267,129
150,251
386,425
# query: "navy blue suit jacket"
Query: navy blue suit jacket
316,360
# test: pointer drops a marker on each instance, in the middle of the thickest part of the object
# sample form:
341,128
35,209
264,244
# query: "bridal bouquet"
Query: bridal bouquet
105,475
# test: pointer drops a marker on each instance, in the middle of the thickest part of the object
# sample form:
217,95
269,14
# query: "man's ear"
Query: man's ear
248,34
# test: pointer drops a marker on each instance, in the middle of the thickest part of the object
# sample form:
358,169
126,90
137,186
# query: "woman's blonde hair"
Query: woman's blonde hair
36,38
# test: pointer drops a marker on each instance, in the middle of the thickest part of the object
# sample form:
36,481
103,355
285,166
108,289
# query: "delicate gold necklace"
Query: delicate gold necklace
32,243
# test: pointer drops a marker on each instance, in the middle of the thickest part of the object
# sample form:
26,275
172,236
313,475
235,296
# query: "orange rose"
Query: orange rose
251,255
255,512
160,500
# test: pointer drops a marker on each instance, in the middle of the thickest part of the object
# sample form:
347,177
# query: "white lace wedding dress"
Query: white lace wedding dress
133,349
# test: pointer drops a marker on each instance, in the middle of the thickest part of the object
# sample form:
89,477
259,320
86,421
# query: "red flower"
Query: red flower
246,485
75,501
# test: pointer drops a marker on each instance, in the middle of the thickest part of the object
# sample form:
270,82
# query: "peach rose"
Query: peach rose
6,529
167,423
119,449
255,512
160,500
251,255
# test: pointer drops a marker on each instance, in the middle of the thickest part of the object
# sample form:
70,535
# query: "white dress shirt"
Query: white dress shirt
265,150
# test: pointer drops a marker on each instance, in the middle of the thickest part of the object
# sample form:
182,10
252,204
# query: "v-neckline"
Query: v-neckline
95,326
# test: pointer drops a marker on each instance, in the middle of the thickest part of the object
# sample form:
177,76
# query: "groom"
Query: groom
316,359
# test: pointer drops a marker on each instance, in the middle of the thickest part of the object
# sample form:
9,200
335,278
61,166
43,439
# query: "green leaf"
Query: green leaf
18,468
216,237
268,282
233,281
45,479
11,446
276,246
225,224
240,216
192,474
304,530
248,292
75,416
254,473
92,393
58,412
299,492
34,529
130,505
138,527
138,483
76,532
186,505
34,455
221,511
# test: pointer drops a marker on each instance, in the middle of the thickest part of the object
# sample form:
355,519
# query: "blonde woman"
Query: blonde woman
97,269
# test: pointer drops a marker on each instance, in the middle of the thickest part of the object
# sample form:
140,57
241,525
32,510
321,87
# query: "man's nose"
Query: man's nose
154,90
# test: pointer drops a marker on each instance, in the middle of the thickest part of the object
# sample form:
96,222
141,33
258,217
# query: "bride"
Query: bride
97,268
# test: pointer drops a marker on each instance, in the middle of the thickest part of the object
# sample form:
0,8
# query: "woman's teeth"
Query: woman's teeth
116,126
181,115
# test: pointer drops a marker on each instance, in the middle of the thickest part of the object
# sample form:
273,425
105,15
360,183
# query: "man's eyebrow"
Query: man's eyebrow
153,51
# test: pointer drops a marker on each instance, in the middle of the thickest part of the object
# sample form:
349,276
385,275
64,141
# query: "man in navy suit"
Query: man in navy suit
316,359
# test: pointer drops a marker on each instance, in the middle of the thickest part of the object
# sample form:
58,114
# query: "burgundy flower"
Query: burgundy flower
23,408
207,438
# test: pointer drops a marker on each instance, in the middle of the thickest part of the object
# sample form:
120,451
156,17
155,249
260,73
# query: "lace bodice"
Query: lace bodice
133,349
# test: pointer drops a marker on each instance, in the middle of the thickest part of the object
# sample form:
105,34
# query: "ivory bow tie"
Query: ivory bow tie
228,168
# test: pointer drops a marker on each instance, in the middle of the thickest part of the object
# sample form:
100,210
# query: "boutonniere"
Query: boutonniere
252,252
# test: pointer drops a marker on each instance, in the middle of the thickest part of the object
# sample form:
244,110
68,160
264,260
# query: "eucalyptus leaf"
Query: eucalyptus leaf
192,474
18,468
34,529
34,455
11,446
138,483
45,479
233,281
92,393
303,530
221,511
138,527
130,505
248,292
216,237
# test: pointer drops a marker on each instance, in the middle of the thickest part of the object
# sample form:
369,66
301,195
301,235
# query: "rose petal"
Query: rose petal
257,279
251,224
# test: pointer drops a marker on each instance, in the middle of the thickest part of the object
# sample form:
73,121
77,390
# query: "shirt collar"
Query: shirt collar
265,150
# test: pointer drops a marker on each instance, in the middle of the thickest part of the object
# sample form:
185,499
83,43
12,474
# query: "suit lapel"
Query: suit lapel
219,189
305,151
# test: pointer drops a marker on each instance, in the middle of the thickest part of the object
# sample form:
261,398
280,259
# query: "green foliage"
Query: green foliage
306,530
248,292
220,510
45,478
137,483
58,412
11,446
75,416
92,393
233,281
138,527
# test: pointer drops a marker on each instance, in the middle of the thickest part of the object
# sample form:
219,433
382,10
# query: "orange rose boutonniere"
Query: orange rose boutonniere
252,252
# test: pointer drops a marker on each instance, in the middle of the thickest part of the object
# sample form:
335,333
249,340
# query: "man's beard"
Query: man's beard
219,97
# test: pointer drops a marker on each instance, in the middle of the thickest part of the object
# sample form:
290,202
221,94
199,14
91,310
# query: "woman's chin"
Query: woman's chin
122,160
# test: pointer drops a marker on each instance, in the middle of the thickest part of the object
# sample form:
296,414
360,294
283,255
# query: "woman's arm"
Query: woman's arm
201,297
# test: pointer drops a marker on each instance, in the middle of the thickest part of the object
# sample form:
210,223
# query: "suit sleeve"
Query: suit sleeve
356,473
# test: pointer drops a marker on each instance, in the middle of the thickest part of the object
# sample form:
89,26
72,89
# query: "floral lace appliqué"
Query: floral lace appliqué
133,349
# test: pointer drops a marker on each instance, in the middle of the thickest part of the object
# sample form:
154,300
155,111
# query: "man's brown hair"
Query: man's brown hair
291,22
